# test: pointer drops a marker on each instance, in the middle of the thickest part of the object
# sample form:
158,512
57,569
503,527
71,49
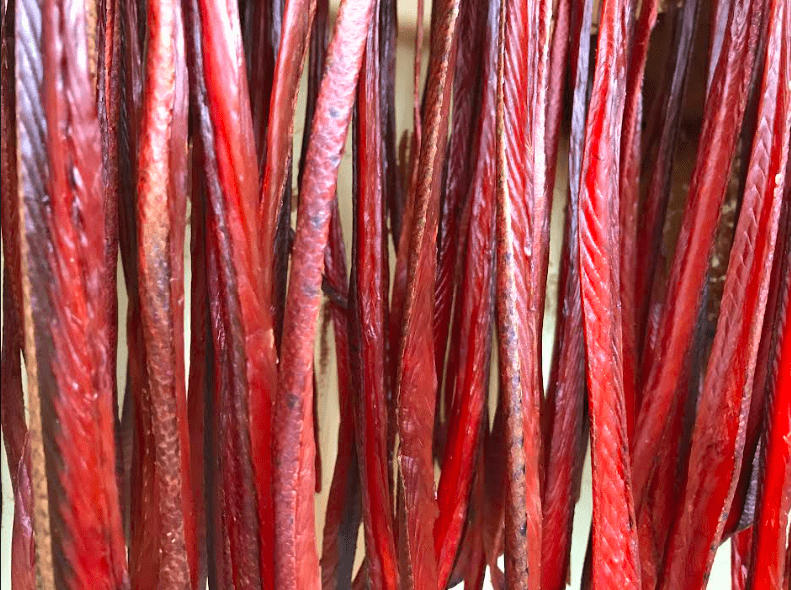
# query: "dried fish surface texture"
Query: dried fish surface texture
325,370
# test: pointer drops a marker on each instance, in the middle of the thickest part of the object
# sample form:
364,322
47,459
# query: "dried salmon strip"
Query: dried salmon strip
474,313
76,520
615,547
727,388
368,307
722,117
518,133
296,564
563,412
120,119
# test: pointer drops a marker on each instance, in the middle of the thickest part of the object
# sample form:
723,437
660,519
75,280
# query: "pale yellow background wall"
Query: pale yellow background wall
328,402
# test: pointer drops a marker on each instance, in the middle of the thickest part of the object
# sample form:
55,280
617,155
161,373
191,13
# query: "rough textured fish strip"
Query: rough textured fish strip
508,335
296,565
518,133
161,211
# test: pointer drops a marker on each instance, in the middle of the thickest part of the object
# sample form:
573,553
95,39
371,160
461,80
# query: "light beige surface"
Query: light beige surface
328,402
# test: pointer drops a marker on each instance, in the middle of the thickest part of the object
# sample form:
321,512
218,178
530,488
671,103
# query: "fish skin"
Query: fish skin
724,401
296,563
161,211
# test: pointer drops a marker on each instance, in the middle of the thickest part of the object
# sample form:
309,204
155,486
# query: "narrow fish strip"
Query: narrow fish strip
296,564
615,547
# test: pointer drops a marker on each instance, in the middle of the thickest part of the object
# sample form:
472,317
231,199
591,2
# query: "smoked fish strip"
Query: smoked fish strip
722,118
725,397
296,563
615,546
368,307
474,314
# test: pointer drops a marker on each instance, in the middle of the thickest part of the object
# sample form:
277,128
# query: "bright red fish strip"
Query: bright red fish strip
228,100
615,547
722,117
77,410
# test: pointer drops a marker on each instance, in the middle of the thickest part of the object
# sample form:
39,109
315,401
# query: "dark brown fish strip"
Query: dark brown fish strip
344,510
629,197
520,134
199,385
508,335
9,218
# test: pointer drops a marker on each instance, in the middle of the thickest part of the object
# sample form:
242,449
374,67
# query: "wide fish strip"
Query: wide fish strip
718,436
